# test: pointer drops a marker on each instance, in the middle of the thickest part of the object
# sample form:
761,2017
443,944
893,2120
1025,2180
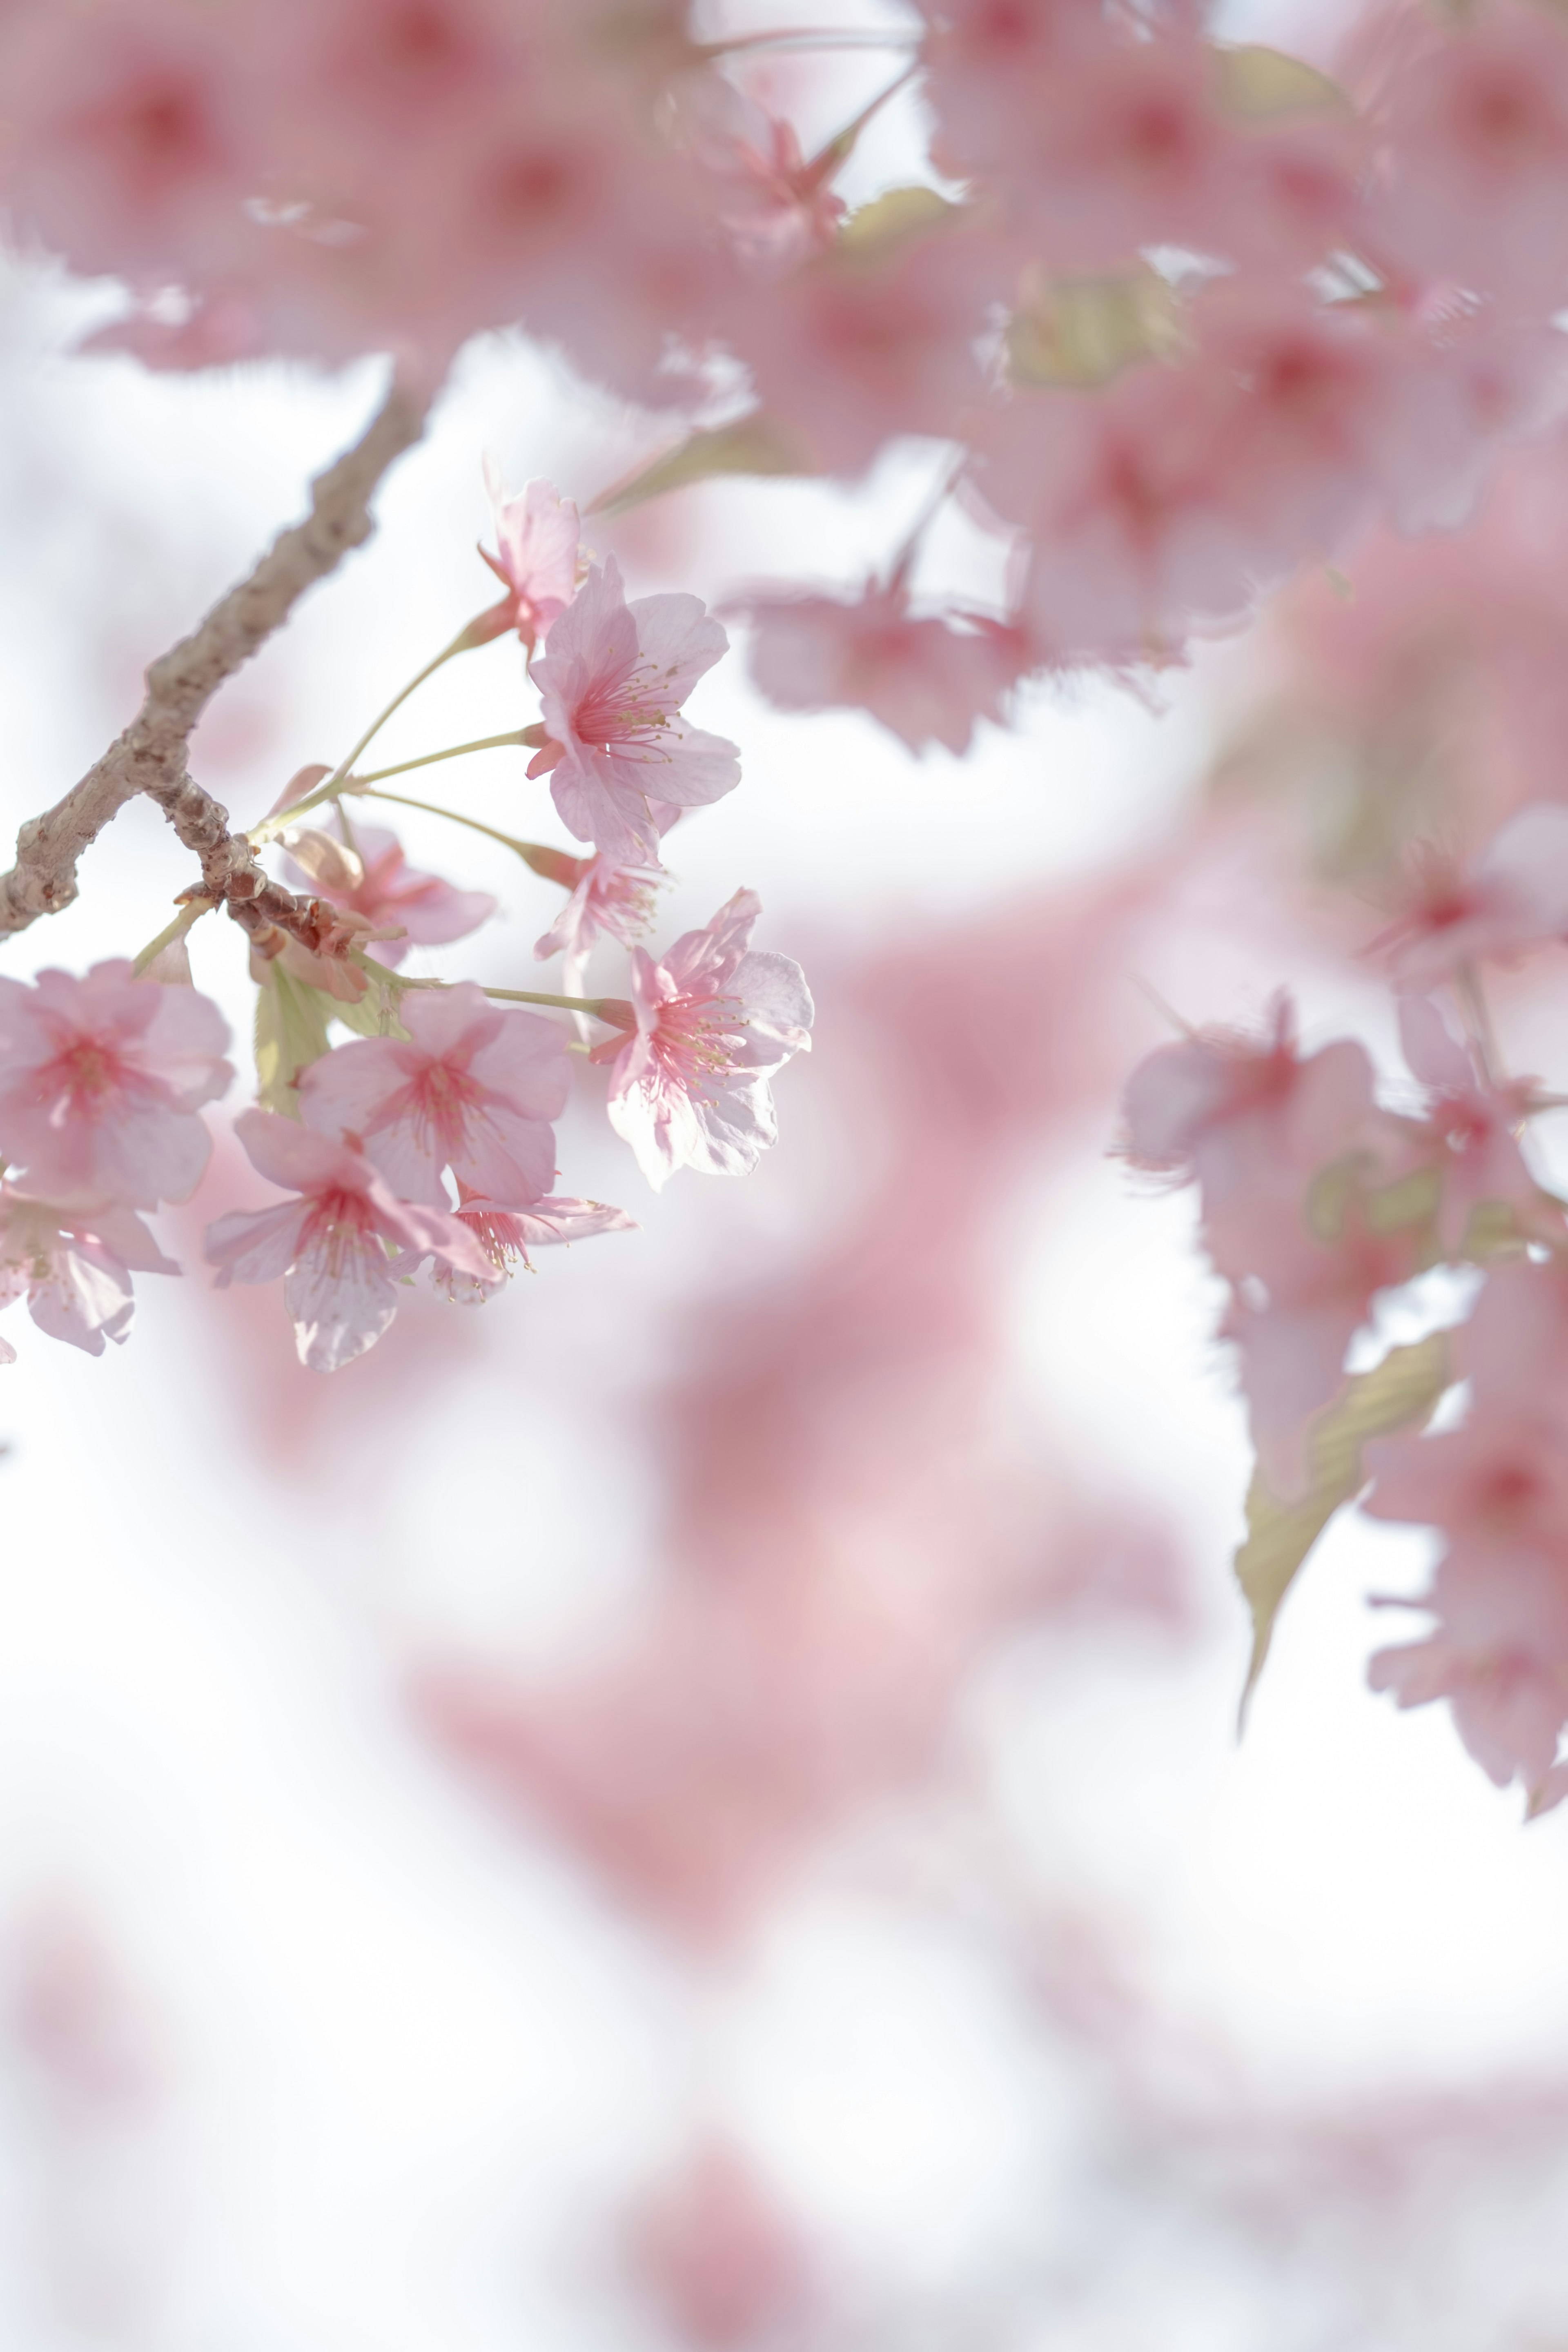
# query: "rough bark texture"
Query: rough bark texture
150,757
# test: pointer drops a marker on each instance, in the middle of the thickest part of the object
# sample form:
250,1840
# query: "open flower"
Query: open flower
537,538
473,1087
714,1021
607,897
507,1235
611,689
374,882
74,1267
334,1243
100,1080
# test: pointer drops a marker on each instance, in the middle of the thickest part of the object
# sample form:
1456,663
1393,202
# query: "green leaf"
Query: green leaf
888,220
1259,84
1399,1393
1079,332
290,1033
751,445
375,1015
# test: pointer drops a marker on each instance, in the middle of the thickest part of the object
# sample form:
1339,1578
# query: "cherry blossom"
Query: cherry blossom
339,1245
74,1267
373,882
612,686
100,1081
778,208
473,1087
1287,1151
607,899
926,681
507,1235
1513,896
1476,1122
690,1087
537,539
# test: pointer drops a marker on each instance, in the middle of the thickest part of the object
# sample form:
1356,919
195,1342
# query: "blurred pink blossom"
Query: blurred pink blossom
925,680
74,1267
100,1080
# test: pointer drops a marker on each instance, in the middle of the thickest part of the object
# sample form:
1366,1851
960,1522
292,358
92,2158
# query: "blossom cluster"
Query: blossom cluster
428,1137
1190,314
1320,1204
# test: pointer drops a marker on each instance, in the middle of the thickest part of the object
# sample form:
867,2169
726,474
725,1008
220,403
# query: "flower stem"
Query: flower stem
402,799
192,912
613,1011
460,644
1477,1015
529,736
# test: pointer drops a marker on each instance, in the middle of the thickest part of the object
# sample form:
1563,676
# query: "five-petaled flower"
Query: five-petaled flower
472,1088
713,1021
100,1081
74,1265
611,687
341,1243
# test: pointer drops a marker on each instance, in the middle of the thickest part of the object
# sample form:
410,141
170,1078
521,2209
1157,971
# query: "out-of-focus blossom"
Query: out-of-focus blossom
1474,131
718,2257
879,336
1476,1122
338,1245
1513,896
715,1019
473,1087
507,1235
1290,1152
372,881
778,208
74,1267
537,539
611,687
1496,1488
925,680
100,1081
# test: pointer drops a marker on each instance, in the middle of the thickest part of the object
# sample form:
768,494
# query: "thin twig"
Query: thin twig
150,757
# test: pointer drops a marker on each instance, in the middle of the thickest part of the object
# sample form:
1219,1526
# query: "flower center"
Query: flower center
629,714
696,1040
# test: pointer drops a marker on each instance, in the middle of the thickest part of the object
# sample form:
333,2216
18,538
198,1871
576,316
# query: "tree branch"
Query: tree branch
150,757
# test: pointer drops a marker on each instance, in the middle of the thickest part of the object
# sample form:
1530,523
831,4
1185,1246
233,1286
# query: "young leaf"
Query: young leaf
1399,1394
290,1033
751,445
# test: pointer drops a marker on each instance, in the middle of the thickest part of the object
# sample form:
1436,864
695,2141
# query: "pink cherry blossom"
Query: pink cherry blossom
612,686
777,207
473,1087
925,680
1496,1487
374,882
507,1235
719,2259
1260,1127
607,898
338,1245
1474,1121
537,538
1513,896
714,1020
100,1080
1475,131
74,1265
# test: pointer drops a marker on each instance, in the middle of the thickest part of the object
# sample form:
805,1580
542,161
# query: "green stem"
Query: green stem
530,736
189,914
615,1011
459,645
1472,998
402,799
